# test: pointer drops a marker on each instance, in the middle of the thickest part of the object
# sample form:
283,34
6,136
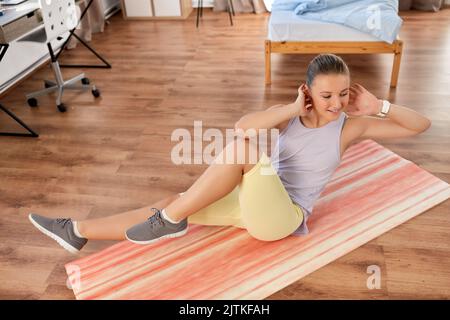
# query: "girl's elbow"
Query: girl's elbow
239,125
240,128
427,126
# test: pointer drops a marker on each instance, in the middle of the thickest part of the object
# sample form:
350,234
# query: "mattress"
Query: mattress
287,26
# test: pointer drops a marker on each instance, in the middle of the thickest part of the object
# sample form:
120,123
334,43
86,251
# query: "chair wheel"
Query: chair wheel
32,102
62,107
96,93
47,85
85,81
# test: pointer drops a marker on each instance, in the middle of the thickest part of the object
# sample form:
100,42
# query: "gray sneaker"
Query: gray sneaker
60,230
156,228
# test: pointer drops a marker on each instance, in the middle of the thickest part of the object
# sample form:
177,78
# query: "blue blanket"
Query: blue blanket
376,17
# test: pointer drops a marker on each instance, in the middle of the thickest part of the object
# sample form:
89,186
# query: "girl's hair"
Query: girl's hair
325,64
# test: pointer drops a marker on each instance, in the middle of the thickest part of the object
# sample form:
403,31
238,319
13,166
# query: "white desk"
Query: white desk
22,57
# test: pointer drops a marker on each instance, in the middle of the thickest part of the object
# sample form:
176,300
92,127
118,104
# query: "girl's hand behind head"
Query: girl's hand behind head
303,102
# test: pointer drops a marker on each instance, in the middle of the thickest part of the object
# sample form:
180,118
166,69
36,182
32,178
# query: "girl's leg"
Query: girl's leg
267,210
224,212
259,204
114,227
218,180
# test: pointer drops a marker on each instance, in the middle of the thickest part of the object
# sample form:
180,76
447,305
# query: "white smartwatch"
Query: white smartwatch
384,109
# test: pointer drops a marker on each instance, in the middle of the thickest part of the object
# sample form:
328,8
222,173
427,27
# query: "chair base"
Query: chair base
60,85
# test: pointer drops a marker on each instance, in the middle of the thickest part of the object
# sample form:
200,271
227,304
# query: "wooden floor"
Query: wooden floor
113,154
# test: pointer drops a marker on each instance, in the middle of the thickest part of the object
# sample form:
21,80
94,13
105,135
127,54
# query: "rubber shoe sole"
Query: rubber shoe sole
170,235
60,240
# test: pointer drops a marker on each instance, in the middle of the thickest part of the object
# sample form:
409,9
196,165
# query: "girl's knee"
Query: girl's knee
241,151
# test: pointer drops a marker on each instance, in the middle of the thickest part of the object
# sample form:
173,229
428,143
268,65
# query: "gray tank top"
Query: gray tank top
307,158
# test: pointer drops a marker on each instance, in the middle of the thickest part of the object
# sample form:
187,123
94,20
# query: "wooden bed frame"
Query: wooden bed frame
335,47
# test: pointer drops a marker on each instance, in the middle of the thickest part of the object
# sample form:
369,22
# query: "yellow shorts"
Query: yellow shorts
259,204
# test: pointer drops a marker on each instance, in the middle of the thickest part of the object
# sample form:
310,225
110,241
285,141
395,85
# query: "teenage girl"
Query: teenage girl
273,198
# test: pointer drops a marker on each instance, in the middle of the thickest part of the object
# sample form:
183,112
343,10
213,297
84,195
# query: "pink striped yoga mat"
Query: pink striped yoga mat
372,191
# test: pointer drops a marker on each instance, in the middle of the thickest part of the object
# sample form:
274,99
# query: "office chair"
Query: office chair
59,17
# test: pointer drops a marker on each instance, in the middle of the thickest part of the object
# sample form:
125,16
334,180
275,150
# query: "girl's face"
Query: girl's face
329,94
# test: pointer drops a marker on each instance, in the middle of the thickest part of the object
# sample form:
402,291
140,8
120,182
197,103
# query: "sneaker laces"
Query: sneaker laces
63,221
156,218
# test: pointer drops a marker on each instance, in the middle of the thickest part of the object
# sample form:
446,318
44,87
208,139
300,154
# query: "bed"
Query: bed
291,34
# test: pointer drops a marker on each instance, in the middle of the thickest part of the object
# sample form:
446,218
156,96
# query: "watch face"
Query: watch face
385,107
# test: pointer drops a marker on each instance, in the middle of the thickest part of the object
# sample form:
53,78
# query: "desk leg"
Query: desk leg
12,115
72,33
